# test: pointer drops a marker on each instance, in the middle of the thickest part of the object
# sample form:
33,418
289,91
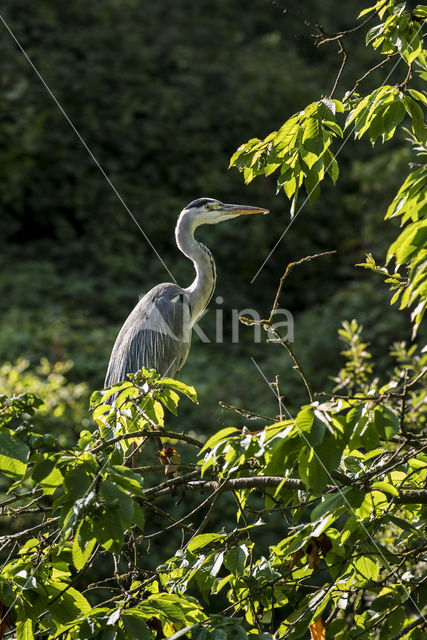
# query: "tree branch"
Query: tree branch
416,623
263,482
148,434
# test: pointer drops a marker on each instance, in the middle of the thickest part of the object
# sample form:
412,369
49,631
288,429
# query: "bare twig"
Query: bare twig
297,364
323,37
341,69
377,66
264,482
31,530
149,434
206,519
267,324
249,415
416,623
217,490
288,269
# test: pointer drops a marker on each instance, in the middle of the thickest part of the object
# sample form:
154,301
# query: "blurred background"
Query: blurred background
163,93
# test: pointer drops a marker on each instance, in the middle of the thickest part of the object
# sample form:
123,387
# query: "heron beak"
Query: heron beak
238,209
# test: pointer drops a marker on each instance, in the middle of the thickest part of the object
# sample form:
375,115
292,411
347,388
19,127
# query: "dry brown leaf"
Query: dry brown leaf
313,549
325,543
318,630
295,557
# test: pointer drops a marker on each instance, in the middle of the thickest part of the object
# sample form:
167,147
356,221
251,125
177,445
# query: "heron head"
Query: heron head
211,211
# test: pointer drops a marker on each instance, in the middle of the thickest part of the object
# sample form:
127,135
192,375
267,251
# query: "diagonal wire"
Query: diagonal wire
308,196
74,128
379,551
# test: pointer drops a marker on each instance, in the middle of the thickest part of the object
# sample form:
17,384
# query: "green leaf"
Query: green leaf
24,629
171,606
42,469
16,406
412,238
235,559
138,517
203,539
418,95
386,487
108,530
68,604
376,127
332,503
219,437
312,186
115,496
366,568
393,115
305,419
190,392
13,454
312,470
331,166
169,399
389,596
330,104
100,397
135,626
416,113
83,545
184,632
386,422
127,479
77,483
312,136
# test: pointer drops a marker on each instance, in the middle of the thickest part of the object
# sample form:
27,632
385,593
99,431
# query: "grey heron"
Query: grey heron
157,333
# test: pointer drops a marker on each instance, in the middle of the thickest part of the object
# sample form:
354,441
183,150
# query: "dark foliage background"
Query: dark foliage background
163,93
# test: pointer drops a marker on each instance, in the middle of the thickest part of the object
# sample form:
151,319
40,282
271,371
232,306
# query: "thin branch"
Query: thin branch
377,66
206,519
256,482
165,514
218,489
31,530
263,482
267,324
249,415
289,268
341,69
292,12
161,467
173,482
419,377
148,434
412,497
416,623
297,364
324,37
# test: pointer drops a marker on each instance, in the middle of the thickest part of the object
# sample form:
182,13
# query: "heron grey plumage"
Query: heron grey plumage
157,333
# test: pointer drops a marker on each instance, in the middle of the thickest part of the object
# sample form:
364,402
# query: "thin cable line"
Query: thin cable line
380,553
54,98
308,196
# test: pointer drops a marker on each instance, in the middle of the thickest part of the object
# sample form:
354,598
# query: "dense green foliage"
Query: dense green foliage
311,524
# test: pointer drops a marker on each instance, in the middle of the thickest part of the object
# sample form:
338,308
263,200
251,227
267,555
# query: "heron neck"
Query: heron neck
203,285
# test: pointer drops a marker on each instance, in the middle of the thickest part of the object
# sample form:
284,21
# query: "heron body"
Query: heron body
157,333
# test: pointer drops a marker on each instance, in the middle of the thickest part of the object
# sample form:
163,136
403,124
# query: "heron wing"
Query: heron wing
156,335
